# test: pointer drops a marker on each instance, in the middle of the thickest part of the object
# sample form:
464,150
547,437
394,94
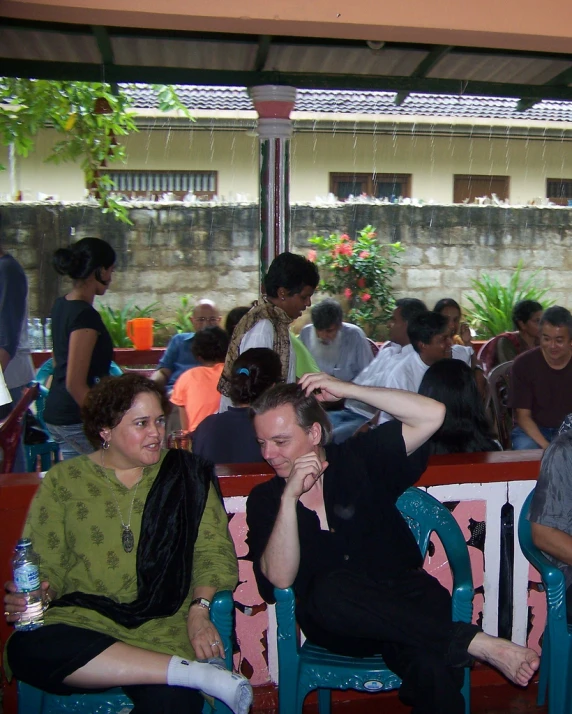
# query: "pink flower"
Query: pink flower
348,293
365,297
312,255
361,283
346,249
364,254
344,237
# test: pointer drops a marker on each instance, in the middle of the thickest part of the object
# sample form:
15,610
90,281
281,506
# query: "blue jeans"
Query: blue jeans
71,439
521,440
345,423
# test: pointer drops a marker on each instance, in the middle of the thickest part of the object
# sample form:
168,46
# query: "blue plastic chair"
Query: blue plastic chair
49,451
557,640
113,701
308,667
47,369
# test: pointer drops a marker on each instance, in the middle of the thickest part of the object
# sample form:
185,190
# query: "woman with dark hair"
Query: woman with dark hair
289,285
229,438
82,346
465,428
526,315
133,543
233,318
460,332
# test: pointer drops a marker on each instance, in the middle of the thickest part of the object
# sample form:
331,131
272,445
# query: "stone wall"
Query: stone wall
212,251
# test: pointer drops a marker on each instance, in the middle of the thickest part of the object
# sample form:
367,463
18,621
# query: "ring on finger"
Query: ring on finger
6,613
215,643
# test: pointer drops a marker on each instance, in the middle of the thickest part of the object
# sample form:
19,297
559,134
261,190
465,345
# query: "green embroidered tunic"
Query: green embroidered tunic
76,530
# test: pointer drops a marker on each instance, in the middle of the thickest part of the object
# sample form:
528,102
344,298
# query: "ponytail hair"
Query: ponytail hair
253,372
83,258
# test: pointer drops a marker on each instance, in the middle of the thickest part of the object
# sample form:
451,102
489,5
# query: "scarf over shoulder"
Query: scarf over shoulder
169,528
280,321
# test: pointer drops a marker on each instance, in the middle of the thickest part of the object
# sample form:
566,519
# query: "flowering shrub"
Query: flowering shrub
361,270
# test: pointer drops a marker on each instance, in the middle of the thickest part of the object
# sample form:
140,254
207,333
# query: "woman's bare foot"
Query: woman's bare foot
516,663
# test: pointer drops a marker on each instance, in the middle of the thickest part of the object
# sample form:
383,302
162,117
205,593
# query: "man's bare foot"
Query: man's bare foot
516,663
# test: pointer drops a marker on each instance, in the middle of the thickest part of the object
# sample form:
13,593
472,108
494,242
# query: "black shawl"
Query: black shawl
169,527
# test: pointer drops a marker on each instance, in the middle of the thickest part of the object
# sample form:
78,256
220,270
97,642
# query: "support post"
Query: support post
274,104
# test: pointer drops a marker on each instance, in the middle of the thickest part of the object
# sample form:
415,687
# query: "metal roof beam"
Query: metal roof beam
264,42
424,67
106,51
178,75
563,78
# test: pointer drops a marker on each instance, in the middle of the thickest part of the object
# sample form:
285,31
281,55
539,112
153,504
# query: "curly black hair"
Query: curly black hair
107,402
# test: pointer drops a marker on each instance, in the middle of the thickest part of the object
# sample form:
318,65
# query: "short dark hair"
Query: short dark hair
410,307
234,317
465,428
210,344
253,372
307,410
326,314
556,461
291,272
441,304
423,327
557,316
83,258
107,402
524,310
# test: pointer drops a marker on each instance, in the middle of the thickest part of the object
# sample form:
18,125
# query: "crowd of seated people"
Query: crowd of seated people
228,387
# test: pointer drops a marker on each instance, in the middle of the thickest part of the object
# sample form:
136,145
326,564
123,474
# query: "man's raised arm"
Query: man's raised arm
420,416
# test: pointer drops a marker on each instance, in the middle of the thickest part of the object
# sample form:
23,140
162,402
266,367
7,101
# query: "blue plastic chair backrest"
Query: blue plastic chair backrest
551,575
424,515
47,369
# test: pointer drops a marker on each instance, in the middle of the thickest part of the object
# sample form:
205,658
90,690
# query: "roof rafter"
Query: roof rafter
562,79
106,51
264,42
424,67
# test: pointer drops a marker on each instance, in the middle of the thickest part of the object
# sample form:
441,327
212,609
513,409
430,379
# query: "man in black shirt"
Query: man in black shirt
328,526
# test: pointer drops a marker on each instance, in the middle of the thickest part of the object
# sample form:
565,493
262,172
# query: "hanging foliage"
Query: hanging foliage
88,118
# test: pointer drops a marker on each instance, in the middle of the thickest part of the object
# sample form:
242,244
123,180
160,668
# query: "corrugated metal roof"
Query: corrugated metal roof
72,51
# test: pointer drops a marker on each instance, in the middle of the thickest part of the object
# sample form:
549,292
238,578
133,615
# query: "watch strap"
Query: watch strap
201,602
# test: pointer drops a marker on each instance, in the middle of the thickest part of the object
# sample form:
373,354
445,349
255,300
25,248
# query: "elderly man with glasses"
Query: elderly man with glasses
178,357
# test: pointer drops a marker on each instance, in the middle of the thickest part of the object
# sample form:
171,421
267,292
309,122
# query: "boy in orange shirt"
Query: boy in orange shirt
195,391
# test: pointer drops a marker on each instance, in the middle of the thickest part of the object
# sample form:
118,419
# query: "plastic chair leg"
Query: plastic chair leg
466,691
324,701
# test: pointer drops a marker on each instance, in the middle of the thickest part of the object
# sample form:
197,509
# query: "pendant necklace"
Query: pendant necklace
127,538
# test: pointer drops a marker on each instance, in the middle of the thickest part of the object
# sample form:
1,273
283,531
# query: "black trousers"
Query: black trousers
46,656
406,619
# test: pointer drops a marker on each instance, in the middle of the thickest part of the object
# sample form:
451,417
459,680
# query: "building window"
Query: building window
559,191
469,187
390,186
153,184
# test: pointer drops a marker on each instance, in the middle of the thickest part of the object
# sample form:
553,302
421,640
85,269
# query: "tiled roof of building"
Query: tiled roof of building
363,102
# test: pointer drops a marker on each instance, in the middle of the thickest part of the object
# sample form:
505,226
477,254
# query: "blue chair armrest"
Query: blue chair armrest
287,632
222,610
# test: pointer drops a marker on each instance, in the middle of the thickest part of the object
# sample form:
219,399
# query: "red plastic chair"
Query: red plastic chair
11,429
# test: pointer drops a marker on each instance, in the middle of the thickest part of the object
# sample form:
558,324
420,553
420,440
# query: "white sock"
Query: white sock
231,688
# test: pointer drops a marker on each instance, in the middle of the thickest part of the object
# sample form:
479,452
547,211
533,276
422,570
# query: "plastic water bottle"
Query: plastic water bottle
26,569
36,334
48,334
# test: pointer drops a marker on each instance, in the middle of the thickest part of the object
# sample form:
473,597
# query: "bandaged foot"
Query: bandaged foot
213,679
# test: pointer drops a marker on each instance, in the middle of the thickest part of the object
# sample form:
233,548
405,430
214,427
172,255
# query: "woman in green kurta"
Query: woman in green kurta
129,606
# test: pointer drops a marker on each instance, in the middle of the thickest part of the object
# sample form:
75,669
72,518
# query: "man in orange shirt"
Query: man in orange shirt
195,391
